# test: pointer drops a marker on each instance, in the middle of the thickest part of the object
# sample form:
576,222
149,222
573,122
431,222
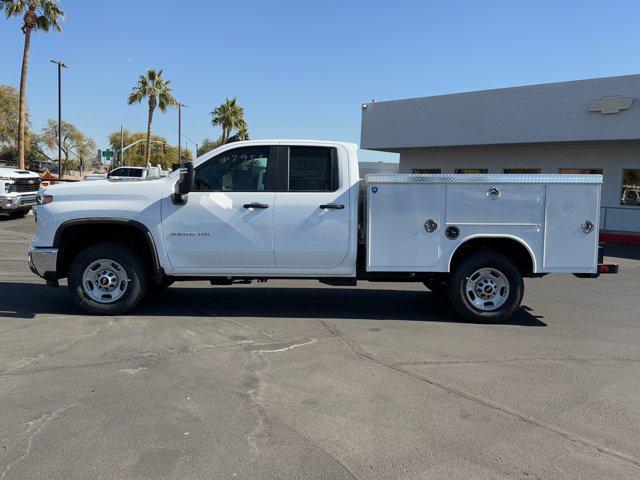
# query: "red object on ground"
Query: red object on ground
624,238
47,175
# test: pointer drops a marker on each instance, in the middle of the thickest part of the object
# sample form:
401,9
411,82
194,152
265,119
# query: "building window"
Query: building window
522,171
630,187
472,170
581,171
426,170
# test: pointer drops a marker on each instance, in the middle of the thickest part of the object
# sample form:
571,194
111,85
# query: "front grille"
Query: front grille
22,185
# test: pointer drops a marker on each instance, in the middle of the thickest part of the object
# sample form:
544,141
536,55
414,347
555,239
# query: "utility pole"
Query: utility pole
60,67
121,145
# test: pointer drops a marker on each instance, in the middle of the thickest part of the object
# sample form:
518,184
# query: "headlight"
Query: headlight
7,183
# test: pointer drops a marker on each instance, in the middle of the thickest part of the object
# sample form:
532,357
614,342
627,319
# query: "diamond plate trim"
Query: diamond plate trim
371,178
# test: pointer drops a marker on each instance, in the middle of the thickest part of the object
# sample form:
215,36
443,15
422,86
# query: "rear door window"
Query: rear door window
312,169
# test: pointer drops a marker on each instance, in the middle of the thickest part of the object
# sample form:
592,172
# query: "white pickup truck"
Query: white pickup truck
18,189
298,209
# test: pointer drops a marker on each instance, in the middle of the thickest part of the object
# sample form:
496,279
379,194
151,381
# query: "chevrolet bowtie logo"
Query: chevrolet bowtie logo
611,104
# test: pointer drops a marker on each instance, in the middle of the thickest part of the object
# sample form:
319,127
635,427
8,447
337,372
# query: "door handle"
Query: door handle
255,205
332,206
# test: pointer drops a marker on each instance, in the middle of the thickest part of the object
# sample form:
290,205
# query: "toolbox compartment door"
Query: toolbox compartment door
397,239
567,247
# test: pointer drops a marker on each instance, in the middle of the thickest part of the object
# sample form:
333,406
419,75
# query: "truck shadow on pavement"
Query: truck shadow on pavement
26,300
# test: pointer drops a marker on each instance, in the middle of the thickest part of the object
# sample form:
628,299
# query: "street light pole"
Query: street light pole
60,66
180,105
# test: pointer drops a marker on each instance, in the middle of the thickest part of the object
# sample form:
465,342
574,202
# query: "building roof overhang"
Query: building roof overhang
590,112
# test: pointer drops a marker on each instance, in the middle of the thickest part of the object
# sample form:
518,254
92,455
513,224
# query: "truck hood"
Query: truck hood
12,173
105,189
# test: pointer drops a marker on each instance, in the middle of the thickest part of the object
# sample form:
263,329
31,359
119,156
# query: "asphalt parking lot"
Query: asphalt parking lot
299,380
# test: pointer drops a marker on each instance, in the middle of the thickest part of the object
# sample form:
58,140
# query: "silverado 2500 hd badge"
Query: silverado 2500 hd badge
190,234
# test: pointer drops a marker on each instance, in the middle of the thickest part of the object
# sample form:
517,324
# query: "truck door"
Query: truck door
312,213
227,223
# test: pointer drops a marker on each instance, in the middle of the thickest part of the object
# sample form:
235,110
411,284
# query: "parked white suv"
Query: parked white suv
256,210
126,174
18,189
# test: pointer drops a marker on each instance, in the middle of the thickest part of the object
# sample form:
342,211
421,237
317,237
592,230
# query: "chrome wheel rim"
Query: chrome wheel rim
104,281
487,289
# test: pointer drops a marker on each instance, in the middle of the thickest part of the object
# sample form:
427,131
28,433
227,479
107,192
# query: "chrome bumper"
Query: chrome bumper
19,201
43,262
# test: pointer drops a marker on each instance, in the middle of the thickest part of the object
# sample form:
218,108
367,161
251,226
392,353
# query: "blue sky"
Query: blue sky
302,69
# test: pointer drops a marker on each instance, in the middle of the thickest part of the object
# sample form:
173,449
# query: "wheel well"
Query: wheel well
73,239
509,247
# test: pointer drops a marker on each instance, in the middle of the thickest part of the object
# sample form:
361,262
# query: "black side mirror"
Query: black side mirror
185,184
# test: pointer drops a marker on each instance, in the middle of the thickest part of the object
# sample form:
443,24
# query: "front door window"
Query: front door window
238,170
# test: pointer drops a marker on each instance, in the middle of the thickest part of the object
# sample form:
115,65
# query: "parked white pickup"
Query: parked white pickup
298,209
18,190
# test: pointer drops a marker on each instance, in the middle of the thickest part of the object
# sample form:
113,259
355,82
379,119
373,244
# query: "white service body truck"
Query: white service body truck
18,189
257,210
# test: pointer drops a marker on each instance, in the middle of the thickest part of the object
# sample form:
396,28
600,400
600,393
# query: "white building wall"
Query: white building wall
612,159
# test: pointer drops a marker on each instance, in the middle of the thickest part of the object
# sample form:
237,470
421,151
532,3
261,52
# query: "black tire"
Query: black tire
136,286
462,302
18,213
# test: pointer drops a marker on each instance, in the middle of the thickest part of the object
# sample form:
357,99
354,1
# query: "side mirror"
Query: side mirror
185,184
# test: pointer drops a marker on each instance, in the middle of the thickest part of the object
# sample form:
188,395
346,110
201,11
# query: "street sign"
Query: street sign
107,154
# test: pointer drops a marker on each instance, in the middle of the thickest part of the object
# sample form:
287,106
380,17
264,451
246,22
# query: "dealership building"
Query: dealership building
585,126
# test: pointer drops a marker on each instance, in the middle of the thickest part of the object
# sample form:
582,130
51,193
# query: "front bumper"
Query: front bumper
44,262
25,200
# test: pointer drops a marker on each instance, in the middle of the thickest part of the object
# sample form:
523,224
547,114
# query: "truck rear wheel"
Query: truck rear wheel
107,279
486,287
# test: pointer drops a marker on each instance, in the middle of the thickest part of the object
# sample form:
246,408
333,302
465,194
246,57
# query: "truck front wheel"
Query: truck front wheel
107,279
18,213
486,287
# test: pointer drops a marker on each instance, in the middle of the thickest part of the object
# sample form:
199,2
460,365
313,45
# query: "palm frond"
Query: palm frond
43,23
52,12
14,8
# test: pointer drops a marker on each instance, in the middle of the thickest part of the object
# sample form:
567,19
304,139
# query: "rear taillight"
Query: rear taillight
608,268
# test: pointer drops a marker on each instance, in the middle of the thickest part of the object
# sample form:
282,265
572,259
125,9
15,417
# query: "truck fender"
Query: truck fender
494,236
158,271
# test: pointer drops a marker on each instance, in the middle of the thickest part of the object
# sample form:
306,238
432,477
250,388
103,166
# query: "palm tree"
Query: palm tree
229,116
158,91
243,131
38,15
241,134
